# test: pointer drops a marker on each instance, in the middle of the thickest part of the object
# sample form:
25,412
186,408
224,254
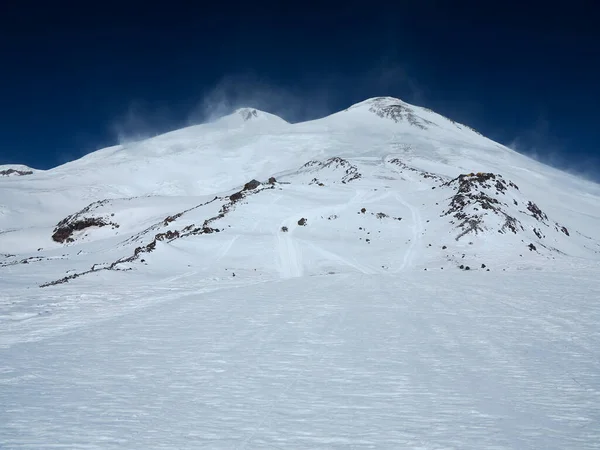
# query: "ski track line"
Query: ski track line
290,253
226,247
177,277
417,229
337,258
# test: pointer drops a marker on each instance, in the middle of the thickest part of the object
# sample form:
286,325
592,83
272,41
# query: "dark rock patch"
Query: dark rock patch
251,185
13,172
398,112
80,221
65,228
172,218
351,172
236,197
536,212
169,235
422,173
538,233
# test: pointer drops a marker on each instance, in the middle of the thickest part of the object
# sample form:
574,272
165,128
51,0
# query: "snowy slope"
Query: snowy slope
259,260
341,362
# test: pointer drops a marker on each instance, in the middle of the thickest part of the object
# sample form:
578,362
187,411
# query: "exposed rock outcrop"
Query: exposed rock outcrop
347,171
64,230
15,172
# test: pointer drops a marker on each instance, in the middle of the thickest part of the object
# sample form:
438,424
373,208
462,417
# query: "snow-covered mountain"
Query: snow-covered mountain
381,194
458,199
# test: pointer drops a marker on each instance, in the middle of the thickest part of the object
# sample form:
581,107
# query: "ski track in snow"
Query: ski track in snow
339,259
290,254
226,248
417,230
289,249
178,277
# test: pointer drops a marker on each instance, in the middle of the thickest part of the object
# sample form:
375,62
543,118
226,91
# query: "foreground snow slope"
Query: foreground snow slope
380,278
420,360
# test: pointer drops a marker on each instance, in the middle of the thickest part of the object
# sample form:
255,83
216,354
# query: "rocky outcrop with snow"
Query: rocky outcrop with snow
15,170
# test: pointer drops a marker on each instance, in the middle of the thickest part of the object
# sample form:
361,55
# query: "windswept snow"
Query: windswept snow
380,278
349,361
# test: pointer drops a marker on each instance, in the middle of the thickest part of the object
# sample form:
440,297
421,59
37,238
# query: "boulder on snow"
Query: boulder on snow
250,185
235,197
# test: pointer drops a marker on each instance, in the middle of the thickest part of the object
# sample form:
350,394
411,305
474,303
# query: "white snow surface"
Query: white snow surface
143,307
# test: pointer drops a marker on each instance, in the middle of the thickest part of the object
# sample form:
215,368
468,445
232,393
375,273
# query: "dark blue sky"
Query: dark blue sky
77,79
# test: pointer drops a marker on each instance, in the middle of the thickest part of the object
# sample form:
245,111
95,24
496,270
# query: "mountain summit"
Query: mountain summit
250,116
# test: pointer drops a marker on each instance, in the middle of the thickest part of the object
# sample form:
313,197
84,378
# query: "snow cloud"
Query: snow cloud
394,80
248,90
316,96
141,121
539,143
